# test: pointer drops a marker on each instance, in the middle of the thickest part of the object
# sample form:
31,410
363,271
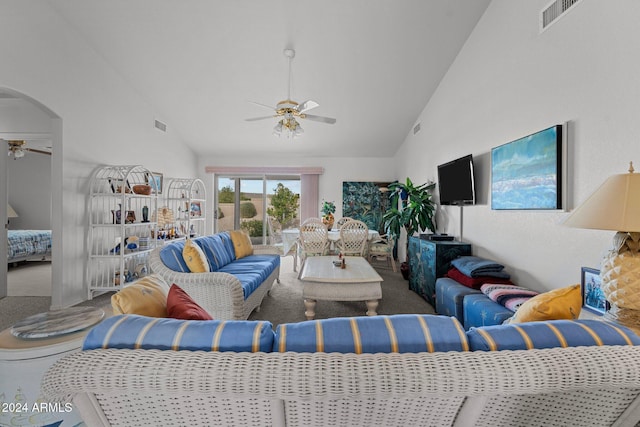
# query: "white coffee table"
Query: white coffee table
324,281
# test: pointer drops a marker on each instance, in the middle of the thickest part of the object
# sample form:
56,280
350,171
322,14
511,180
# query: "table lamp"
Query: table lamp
616,206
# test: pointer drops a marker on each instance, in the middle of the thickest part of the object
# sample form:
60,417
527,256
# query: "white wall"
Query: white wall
103,121
29,180
509,81
29,177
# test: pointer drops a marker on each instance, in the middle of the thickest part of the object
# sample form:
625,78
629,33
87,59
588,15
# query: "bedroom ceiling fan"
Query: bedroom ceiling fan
17,149
288,111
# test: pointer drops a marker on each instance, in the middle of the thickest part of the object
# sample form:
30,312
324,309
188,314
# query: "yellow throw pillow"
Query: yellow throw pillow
563,303
241,243
195,259
146,297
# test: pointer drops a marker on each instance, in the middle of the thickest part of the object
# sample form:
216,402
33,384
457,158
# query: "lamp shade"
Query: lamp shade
614,206
10,212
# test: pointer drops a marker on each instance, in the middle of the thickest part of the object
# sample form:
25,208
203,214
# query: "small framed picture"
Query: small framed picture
155,181
592,295
196,209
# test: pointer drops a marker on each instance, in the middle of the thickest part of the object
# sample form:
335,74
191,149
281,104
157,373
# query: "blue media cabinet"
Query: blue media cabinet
429,260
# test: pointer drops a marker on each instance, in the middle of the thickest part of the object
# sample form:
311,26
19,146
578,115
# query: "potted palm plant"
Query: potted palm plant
411,208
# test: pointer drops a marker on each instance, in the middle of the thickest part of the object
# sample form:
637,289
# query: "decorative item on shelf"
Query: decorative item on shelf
196,209
132,243
131,217
616,206
116,214
164,217
328,209
412,208
143,189
143,243
145,213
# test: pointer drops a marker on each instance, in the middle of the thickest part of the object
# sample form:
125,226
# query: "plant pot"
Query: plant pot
328,221
404,269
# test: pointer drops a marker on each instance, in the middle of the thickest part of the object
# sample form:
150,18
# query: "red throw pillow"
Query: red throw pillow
475,282
181,306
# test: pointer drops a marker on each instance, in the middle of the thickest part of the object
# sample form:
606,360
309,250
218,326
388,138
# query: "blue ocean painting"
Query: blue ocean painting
524,172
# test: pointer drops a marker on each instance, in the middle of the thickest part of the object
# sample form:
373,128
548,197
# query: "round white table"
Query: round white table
24,361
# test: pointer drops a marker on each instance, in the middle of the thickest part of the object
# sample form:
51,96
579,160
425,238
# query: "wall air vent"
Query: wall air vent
416,128
161,126
554,11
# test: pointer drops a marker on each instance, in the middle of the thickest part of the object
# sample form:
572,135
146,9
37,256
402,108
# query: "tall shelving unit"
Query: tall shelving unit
121,230
187,198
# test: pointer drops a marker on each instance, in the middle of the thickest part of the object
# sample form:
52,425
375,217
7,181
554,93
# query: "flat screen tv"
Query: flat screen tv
528,173
456,182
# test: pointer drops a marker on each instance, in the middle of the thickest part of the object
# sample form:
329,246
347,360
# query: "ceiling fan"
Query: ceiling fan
17,149
288,111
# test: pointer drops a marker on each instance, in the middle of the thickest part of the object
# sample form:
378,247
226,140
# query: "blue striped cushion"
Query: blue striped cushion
252,270
216,250
553,333
133,332
171,256
401,333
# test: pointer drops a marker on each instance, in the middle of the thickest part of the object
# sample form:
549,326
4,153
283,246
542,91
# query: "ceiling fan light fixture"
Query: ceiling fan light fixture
277,130
289,110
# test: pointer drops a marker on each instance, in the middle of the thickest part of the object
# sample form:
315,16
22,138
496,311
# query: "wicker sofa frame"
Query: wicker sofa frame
220,294
579,386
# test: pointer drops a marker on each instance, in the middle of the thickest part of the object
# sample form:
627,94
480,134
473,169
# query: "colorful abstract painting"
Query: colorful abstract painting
365,201
527,173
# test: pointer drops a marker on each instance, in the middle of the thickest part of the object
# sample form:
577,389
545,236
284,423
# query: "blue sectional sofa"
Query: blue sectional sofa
402,370
232,289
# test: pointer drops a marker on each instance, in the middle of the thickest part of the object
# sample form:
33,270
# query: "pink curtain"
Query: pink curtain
309,206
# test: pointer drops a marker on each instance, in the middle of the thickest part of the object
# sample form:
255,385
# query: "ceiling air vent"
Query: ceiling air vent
161,126
416,128
553,11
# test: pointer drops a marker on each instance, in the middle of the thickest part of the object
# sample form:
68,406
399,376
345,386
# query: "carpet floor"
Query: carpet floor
285,303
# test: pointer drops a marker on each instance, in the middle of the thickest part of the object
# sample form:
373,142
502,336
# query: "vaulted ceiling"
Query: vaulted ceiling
370,64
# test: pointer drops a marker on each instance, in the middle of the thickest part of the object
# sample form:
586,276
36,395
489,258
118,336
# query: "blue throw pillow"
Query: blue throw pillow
133,332
548,334
171,256
402,333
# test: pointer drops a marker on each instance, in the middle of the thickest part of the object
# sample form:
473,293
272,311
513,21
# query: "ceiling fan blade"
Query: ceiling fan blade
253,119
328,120
307,105
262,105
35,150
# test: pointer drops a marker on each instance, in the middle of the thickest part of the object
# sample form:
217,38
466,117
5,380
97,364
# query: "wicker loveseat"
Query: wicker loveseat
413,370
232,289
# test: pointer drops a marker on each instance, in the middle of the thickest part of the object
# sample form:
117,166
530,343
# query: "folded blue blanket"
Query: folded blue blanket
474,266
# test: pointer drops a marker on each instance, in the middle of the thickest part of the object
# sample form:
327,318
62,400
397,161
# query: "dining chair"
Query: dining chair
382,248
354,235
313,240
342,221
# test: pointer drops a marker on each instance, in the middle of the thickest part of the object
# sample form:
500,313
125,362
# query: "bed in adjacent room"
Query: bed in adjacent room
28,245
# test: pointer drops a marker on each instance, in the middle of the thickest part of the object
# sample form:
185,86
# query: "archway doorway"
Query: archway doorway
26,119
